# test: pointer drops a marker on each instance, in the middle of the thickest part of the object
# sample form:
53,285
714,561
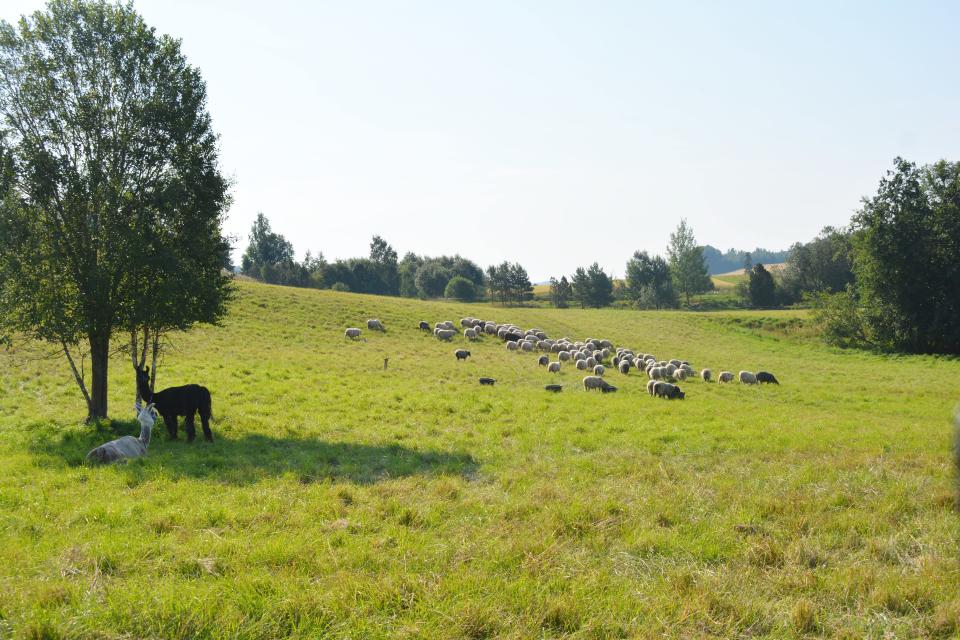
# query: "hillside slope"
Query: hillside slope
343,500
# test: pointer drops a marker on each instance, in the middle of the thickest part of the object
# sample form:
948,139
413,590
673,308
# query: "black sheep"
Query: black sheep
766,376
172,402
555,388
424,326
462,354
487,381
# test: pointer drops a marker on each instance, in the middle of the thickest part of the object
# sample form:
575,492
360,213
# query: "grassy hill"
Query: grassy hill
343,500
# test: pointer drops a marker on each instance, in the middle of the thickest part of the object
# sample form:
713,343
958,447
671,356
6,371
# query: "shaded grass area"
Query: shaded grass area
341,500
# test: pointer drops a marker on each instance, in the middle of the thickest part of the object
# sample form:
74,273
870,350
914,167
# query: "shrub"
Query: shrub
339,286
459,288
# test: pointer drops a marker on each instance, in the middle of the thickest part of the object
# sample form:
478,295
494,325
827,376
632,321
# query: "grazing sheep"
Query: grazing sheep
555,388
725,376
657,373
598,370
526,346
470,334
650,385
668,391
582,365
490,329
513,336
462,354
444,334
127,447
671,369
424,326
513,345
466,322
746,377
680,374
375,325
487,381
606,344
624,367
563,356
596,382
591,362
543,361
352,333
766,377
706,374
675,362
553,367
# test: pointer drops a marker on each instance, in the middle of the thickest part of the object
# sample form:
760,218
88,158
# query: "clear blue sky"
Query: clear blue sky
559,133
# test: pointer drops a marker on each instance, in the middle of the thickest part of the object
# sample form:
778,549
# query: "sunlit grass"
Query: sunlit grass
344,500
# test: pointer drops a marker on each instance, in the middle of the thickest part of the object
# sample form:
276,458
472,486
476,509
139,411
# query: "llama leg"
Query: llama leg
171,422
188,424
205,422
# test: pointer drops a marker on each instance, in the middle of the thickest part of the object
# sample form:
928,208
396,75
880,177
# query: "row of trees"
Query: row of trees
651,282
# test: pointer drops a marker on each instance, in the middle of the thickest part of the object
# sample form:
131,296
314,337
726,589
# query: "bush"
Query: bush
339,286
459,288
840,318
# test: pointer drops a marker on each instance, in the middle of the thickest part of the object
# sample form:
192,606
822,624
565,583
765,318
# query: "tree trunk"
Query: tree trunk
99,362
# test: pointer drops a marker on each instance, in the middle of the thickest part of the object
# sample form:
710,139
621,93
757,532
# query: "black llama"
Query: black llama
178,401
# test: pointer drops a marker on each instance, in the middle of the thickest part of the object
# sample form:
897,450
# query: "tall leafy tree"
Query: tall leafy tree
407,274
560,292
498,281
432,278
384,257
111,200
649,284
265,248
520,286
761,289
906,245
687,267
580,284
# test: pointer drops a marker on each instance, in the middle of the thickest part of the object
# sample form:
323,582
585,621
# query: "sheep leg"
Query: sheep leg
188,424
171,422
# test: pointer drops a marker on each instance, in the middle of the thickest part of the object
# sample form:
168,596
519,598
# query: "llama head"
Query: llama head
145,416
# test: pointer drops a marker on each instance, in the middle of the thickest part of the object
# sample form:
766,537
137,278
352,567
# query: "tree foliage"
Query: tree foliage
560,292
110,197
509,283
592,287
459,288
649,284
906,244
761,289
687,267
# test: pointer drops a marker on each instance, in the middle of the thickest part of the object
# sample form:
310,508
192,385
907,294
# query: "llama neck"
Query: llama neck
145,435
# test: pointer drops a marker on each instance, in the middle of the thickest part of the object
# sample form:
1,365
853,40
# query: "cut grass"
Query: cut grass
341,500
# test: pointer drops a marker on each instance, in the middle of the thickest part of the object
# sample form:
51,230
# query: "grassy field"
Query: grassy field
343,500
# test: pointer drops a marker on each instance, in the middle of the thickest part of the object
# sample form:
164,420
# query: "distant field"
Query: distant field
342,500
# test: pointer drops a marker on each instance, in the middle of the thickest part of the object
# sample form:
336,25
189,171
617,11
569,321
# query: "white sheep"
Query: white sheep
127,447
725,376
512,345
444,334
563,356
596,382
746,377
582,365
598,370
650,385
680,374
553,367
527,346
352,333
470,334
375,325
706,374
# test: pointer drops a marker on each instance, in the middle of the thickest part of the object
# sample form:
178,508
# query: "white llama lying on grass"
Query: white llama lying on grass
127,447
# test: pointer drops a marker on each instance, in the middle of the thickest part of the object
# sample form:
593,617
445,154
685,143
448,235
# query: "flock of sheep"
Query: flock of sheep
592,355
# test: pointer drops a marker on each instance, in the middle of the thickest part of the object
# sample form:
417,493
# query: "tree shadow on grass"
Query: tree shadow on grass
250,458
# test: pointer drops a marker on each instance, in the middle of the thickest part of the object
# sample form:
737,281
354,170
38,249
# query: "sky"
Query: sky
556,134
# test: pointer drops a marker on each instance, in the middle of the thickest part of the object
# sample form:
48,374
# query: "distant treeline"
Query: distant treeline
731,260
890,280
